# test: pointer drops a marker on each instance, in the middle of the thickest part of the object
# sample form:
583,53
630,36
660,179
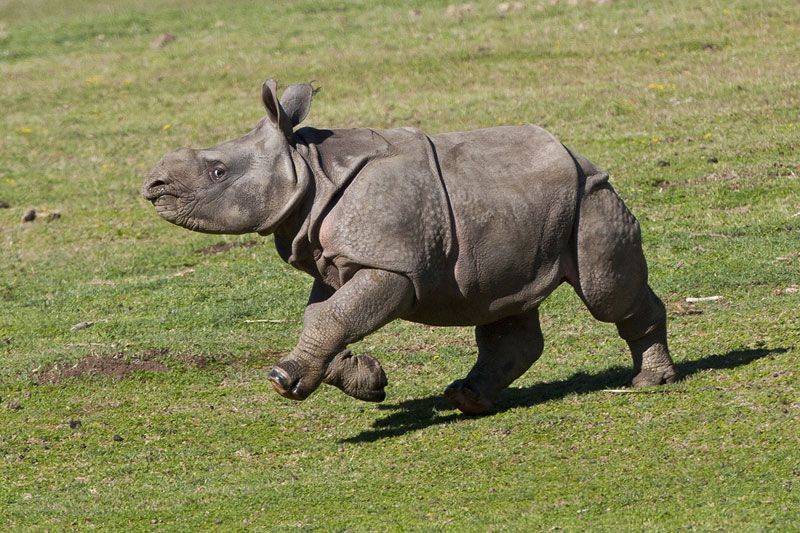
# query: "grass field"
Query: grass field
159,415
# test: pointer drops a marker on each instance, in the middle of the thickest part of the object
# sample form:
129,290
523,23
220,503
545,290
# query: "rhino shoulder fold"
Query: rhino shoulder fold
394,215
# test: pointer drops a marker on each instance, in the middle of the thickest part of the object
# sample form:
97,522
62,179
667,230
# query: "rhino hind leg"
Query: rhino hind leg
612,281
652,364
506,349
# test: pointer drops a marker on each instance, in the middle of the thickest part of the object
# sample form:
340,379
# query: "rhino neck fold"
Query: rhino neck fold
297,192
295,237
295,214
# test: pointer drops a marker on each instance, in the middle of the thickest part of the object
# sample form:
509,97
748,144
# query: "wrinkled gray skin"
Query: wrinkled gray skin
472,228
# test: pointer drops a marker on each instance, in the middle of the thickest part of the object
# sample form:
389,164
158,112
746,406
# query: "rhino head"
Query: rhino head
245,185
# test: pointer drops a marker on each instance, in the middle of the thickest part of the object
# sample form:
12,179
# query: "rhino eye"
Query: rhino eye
218,172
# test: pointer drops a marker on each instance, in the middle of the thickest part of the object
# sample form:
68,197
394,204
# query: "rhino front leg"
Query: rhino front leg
506,349
369,300
359,376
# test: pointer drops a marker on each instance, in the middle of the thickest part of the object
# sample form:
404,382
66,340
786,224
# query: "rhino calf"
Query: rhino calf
471,228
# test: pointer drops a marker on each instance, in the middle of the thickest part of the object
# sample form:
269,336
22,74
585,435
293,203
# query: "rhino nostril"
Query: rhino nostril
157,183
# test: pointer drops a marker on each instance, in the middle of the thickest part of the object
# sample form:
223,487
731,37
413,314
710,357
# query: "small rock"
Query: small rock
458,11
117,438
712,160
509,7
14,405
74,424
794,289
81,325
29,216
4,205
162,40
662,163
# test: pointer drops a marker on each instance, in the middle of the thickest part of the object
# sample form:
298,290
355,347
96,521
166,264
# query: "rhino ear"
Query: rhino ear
275,113
296,102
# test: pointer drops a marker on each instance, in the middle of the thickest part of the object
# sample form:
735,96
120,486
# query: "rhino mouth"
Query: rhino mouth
163,198
155,190
164,202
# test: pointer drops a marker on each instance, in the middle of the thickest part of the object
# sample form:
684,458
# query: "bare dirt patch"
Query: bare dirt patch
683,309
222,247
115,366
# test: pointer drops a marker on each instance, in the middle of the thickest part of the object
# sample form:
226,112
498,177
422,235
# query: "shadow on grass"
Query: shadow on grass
413,415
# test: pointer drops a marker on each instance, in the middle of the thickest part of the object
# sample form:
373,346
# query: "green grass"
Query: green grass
708,89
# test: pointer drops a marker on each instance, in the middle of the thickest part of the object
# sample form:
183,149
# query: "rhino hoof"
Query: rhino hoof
647,378
279,380
466,399
359,376
368,395
285,385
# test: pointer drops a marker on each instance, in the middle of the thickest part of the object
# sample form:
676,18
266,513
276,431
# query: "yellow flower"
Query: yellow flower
165,127
25,130
708,136
661,87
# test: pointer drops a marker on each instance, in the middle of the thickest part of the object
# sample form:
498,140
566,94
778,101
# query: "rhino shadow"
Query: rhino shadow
420,413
